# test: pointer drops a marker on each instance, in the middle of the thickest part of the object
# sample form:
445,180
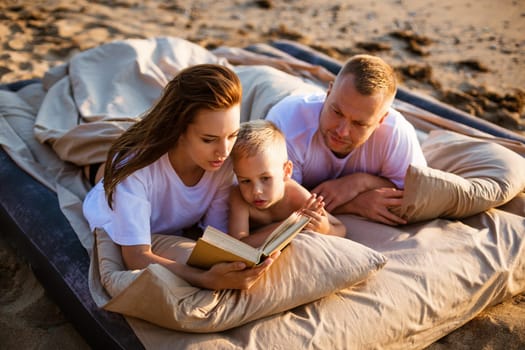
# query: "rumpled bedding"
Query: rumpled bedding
440,272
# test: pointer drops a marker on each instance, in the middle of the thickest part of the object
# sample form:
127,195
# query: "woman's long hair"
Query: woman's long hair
203,86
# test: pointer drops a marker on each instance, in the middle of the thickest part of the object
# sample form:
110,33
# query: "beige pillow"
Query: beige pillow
311,267
465,176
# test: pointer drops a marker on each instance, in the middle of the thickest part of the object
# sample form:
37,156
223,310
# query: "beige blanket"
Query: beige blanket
440,273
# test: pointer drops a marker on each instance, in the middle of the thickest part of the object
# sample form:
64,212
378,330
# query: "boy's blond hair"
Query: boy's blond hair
259,136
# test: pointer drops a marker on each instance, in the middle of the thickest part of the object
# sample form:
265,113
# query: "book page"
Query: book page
285,233
229,243
205,255
280,229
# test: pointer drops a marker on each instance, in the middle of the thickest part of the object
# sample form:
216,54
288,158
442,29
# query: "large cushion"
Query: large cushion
465,176
311,267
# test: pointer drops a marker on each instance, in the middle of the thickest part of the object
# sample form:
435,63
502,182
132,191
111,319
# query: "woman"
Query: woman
170,171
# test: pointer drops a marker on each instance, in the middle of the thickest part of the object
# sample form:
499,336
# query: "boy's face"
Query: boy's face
262,179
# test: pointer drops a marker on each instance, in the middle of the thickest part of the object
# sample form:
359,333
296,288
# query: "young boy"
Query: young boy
266,194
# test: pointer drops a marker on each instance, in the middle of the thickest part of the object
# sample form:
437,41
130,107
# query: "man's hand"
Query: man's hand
340,191
336,192
375,205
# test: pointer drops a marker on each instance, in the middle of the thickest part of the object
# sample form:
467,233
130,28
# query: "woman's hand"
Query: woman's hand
235,275
232,275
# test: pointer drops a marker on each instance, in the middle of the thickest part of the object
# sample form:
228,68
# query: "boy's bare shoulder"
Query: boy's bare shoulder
235,196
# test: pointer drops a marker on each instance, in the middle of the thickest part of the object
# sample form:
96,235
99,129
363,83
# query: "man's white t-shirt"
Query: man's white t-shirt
391,148
154,200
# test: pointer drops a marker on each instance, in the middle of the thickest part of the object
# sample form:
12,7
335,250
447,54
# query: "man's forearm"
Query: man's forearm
365,182
349,207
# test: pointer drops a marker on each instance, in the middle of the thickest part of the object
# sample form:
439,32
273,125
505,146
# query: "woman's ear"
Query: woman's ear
288,169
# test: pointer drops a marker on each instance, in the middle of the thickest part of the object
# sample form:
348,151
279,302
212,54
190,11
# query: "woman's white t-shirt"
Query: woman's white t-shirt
154,200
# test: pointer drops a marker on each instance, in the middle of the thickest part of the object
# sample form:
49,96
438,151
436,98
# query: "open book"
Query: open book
216,246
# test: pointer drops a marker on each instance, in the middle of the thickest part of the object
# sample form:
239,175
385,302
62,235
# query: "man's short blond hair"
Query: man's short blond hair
371,75
259,136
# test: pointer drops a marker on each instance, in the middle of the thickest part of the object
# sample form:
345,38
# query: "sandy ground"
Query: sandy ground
470,54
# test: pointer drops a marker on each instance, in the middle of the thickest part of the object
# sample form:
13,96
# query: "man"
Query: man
349,145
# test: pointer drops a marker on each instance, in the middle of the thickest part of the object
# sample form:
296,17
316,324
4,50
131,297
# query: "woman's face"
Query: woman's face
208,141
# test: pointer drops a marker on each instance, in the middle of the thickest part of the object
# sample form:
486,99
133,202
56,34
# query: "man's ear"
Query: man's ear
288,169
388,104
382,119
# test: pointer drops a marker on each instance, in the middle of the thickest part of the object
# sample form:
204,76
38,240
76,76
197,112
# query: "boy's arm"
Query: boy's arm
257,238
239,215
324,222
239,221
321,220
337,228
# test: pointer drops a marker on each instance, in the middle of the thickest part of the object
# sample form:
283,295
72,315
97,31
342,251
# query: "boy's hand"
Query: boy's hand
314,208
314,203
318,223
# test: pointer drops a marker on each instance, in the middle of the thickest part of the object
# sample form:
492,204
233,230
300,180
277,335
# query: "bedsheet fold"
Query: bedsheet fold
440,273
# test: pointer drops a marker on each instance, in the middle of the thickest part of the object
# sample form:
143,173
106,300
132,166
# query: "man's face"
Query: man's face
348,118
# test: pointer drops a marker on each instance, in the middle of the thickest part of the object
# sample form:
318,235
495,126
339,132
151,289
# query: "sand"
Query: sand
470,54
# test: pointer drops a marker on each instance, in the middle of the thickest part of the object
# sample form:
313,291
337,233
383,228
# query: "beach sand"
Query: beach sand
470,54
